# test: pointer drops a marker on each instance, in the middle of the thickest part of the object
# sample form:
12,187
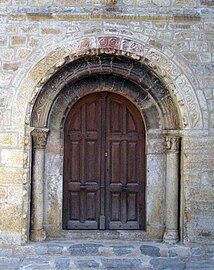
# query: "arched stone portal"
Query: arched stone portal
134,81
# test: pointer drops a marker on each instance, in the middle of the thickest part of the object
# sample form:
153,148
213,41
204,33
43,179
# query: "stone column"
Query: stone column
172,182
39,143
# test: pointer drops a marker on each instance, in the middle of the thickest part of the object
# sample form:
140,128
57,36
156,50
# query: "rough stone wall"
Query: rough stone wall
181,30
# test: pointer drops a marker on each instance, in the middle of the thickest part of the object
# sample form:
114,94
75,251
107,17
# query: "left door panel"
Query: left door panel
82,165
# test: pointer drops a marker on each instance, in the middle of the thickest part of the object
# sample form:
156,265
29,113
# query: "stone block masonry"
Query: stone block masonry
176,40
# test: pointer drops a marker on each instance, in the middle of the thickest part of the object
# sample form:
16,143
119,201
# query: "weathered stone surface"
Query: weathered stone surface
84,249
62,263
55,249
197,251
194,263
87,264
9,263
121,263
41,250
150,251
36,262
6,253
9,213
168,263
122,250
210,250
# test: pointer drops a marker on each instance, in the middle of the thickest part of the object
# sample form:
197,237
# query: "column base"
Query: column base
38,235
171,237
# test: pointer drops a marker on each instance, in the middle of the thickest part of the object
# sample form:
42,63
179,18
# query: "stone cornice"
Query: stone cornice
114,16
100,12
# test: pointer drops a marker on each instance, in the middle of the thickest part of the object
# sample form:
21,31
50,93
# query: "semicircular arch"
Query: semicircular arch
170,74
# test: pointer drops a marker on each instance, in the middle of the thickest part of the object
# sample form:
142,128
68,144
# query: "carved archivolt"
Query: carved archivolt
127,69
71,49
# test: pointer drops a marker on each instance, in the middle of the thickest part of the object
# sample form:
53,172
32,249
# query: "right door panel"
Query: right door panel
125,166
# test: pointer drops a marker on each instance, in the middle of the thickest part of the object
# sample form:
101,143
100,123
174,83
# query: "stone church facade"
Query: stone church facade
107,120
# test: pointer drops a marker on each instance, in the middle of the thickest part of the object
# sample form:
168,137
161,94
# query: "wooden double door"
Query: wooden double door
104,167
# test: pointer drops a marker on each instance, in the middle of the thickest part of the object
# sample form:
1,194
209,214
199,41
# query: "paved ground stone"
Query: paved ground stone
180,250
6,252
202,264
55,249
123,250
41,250
167,263
122,263
9,263
36,261
196,251
87,264
150,250
62,263
210,250
84,249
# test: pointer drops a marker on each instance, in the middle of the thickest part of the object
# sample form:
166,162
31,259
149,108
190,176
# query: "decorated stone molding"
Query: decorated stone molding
164,66
122,67
40,136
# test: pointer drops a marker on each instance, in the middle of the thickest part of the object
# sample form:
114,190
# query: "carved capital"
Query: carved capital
111,2
172,143
40,136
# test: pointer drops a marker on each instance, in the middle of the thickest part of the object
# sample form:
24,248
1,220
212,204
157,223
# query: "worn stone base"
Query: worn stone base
85,254
171,237
38,235
152,234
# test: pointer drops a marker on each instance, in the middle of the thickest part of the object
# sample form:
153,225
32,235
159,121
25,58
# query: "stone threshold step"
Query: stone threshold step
51,262
106,249
80,248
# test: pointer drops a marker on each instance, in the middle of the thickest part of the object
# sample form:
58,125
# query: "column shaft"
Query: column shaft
172,182
39,143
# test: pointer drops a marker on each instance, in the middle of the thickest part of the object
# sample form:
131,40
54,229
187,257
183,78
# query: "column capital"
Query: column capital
40,136
172,143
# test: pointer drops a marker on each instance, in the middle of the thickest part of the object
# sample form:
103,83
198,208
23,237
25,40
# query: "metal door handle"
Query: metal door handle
124,187
83,186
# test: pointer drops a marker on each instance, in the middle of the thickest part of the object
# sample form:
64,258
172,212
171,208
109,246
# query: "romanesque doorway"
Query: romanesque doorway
81,112
104,164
